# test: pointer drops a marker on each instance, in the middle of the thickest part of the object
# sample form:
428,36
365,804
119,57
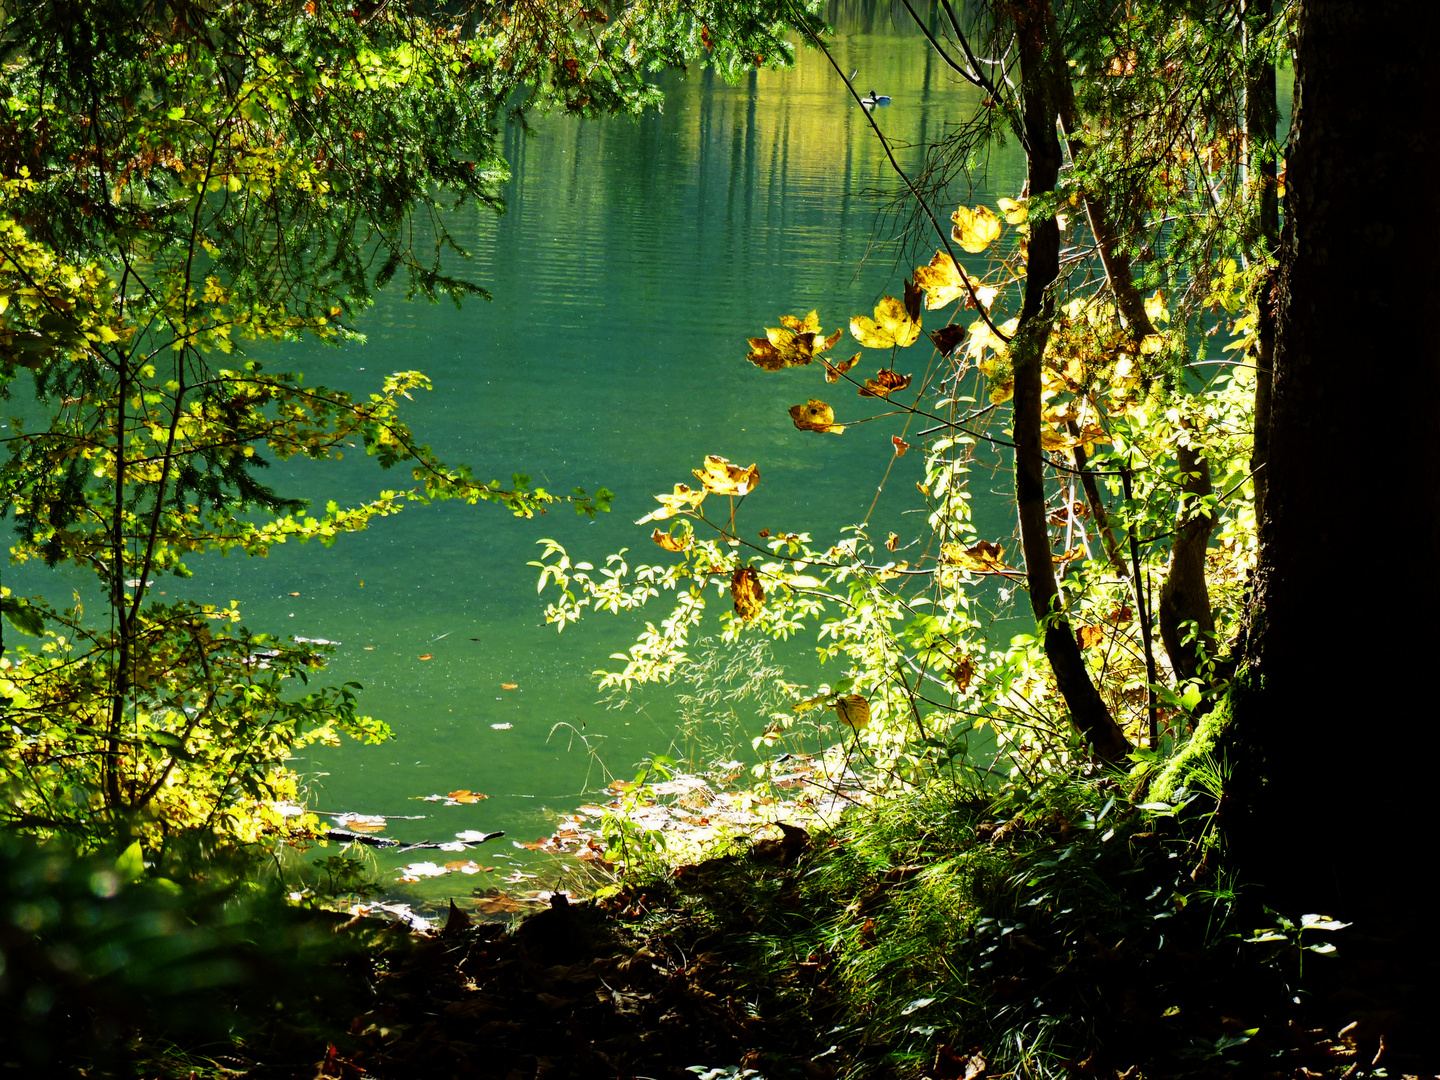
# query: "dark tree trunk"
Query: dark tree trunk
1334,735
1042,76
1185,594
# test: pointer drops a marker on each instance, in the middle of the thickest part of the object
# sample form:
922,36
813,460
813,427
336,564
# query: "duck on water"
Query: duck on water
872,99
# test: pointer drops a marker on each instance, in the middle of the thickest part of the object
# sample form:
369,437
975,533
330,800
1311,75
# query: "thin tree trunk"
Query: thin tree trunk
1041,75
1262,113
1185,594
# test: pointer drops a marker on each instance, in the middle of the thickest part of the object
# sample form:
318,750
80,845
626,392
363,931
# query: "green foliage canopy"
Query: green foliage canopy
179,179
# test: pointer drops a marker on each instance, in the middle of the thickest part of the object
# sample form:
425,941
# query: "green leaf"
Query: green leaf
22,616
130,866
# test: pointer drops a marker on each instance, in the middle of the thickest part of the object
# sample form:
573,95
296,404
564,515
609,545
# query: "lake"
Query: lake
634,259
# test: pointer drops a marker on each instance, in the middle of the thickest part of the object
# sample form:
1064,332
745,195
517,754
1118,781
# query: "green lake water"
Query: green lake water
632,262
634,259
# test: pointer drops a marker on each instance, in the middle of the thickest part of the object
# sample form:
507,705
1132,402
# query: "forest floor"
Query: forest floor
736,969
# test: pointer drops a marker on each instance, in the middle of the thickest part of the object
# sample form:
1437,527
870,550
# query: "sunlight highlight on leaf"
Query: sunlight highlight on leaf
976,228
892,326
723,478
815,416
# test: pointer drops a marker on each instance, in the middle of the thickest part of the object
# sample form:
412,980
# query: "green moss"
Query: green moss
1201,747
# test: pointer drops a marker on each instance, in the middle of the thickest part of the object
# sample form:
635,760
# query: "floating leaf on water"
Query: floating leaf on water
464,866
502,727
427,656
494,902
418,870
294,594
452,845
745,590
471,836
509,686
892,326
885,383
465,796
723,478
814,416
366,823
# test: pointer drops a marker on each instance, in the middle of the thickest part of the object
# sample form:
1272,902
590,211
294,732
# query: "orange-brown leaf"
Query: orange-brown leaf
962,673
745,590
885,383
671,542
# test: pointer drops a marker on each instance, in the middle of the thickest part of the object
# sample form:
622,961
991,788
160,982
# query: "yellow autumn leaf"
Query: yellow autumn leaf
941,281
1016,211
982,338
976,228
1156,309
815,416
682,499
723,478
983,556
794,343
892,326
854,710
